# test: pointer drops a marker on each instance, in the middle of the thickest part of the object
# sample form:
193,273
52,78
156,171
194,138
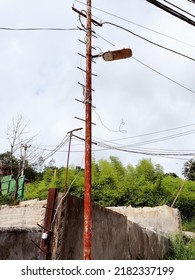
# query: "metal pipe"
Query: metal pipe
67,164
68,158
87,182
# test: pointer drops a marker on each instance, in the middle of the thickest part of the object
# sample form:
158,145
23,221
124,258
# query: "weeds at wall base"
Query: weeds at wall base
9,200
181,248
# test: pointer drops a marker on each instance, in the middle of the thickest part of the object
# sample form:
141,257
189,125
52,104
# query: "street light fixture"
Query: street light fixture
115,54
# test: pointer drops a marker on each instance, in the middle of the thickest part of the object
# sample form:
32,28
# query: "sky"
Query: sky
144,105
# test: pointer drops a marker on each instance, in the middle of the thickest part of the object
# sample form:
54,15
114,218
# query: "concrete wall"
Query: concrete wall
133,233
16,244
146,244
163,219
18,226
67,242
25,215
113,236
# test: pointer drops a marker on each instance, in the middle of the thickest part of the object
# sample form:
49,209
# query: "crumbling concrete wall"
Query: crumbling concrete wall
163,219
25,215
16,244
133,233
107,228
18,226
113,236
146,244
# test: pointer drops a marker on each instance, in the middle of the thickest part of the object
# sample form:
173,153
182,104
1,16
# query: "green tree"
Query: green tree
6,160
189,170
146,172
113,184
108,181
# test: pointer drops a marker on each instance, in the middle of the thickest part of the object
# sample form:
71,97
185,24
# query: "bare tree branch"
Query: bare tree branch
15,135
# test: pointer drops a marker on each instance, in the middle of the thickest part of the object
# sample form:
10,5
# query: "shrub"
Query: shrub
181,248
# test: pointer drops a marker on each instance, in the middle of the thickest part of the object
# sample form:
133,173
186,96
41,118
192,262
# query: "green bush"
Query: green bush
113,184
189,225
8,199
181,248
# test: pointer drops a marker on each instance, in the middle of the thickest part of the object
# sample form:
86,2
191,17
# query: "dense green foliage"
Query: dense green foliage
113,184
116,185
181,248
189,225
189,170
8,199
6,160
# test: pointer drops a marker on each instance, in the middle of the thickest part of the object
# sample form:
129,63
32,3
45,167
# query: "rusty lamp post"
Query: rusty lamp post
107,56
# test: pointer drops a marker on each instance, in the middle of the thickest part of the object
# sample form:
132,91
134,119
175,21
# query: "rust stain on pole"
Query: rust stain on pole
87,190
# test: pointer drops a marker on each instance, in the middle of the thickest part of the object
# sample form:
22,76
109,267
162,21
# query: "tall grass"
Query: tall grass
181,248
189,225
8,199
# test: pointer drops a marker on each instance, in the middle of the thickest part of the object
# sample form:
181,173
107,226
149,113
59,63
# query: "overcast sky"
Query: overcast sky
137,109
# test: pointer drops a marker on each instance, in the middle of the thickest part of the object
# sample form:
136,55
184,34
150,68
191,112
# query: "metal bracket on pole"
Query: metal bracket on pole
84,15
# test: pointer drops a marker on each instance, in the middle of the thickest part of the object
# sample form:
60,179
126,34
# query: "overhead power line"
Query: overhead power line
147,40
39,29
155,140
166,77
53,151
134,150
137,24
176,154
148,134
171,11
149,67
46,147
169,137
179,8
136,145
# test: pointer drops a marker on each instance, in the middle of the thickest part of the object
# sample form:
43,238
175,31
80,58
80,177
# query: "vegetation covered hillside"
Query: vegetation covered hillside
113,184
